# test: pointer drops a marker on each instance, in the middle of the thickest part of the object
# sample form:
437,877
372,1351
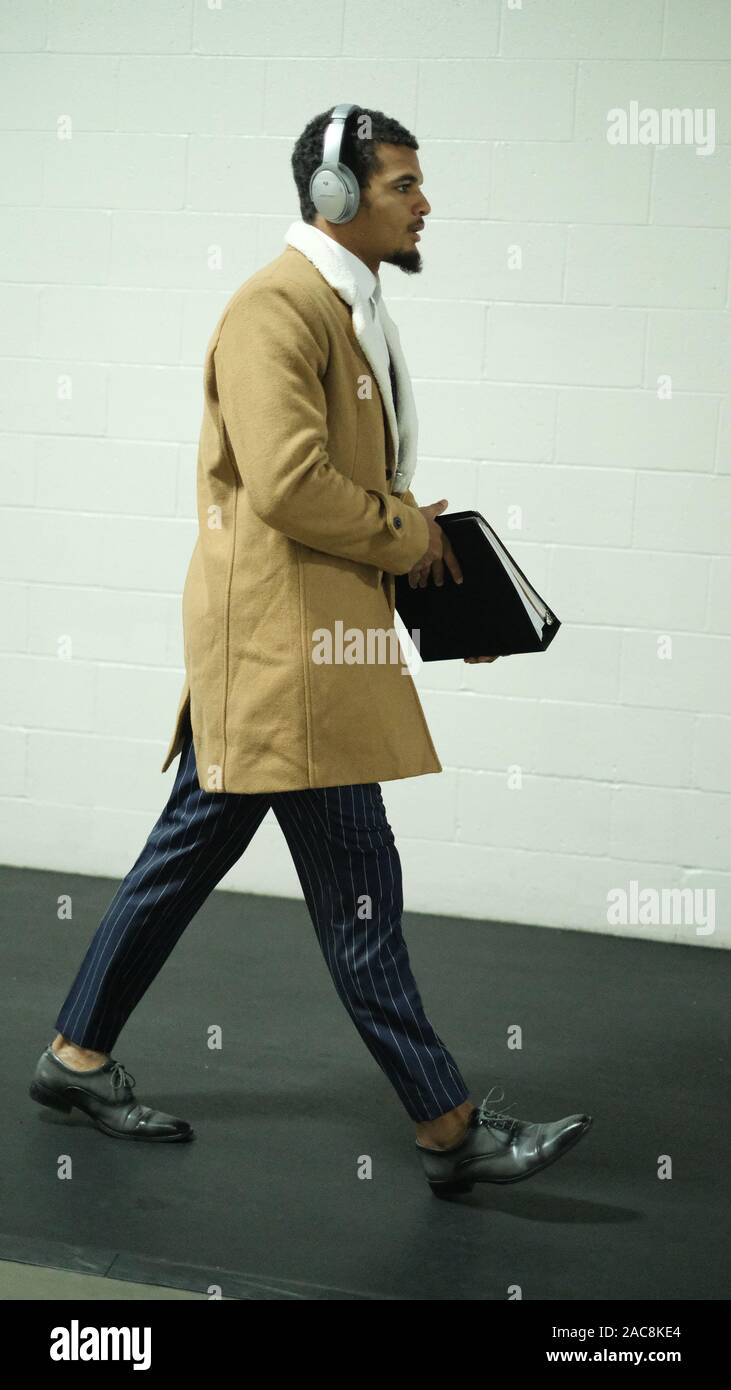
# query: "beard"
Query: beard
408,261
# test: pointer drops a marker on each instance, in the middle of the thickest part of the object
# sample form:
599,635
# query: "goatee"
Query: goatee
409,261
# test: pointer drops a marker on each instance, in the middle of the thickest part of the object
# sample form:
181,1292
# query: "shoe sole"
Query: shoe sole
43,1096
452,1186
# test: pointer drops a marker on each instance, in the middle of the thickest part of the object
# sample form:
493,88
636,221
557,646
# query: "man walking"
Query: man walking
307,450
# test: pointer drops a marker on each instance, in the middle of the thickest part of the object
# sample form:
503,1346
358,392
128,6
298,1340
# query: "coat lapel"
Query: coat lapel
404,430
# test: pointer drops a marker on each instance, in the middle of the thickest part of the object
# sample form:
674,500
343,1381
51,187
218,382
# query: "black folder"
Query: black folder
494,612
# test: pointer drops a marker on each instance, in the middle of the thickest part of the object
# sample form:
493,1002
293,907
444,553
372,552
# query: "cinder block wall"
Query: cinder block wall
570,344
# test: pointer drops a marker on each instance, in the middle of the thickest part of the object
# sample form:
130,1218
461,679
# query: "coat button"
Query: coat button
397,521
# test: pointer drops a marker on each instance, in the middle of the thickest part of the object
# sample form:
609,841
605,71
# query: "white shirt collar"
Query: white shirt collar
368,283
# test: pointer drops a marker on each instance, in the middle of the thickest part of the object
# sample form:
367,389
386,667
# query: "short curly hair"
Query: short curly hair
360,155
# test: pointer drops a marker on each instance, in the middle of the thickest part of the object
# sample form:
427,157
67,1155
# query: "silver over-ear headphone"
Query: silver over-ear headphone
334,188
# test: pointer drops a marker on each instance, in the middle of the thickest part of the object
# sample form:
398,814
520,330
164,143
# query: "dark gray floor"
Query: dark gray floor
266,1202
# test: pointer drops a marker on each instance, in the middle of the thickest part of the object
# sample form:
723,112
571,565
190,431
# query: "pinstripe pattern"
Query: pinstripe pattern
343,848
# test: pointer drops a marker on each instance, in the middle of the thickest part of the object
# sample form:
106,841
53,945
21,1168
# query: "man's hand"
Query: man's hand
439,553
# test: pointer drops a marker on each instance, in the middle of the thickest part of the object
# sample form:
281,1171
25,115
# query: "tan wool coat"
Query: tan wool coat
299,535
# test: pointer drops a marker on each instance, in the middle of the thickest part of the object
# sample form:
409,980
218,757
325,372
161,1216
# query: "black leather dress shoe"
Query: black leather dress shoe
498,1148
106,1096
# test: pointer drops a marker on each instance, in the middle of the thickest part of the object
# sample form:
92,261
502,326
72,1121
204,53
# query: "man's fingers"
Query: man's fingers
415,574
453,566
451,560
419,574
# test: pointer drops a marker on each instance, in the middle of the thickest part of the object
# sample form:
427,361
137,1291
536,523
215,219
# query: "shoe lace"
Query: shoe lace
121,1077
488,1115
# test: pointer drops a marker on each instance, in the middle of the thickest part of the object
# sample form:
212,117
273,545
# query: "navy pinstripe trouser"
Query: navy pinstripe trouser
343,848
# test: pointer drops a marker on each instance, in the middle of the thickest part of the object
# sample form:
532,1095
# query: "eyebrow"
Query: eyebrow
407,178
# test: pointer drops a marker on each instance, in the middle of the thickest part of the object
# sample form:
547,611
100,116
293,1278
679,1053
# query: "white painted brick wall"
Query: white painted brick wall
536,389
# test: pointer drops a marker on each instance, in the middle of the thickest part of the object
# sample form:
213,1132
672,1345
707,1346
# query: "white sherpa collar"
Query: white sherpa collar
404,431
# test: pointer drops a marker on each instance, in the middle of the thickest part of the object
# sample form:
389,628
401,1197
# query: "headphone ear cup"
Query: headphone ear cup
335,193
328,193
